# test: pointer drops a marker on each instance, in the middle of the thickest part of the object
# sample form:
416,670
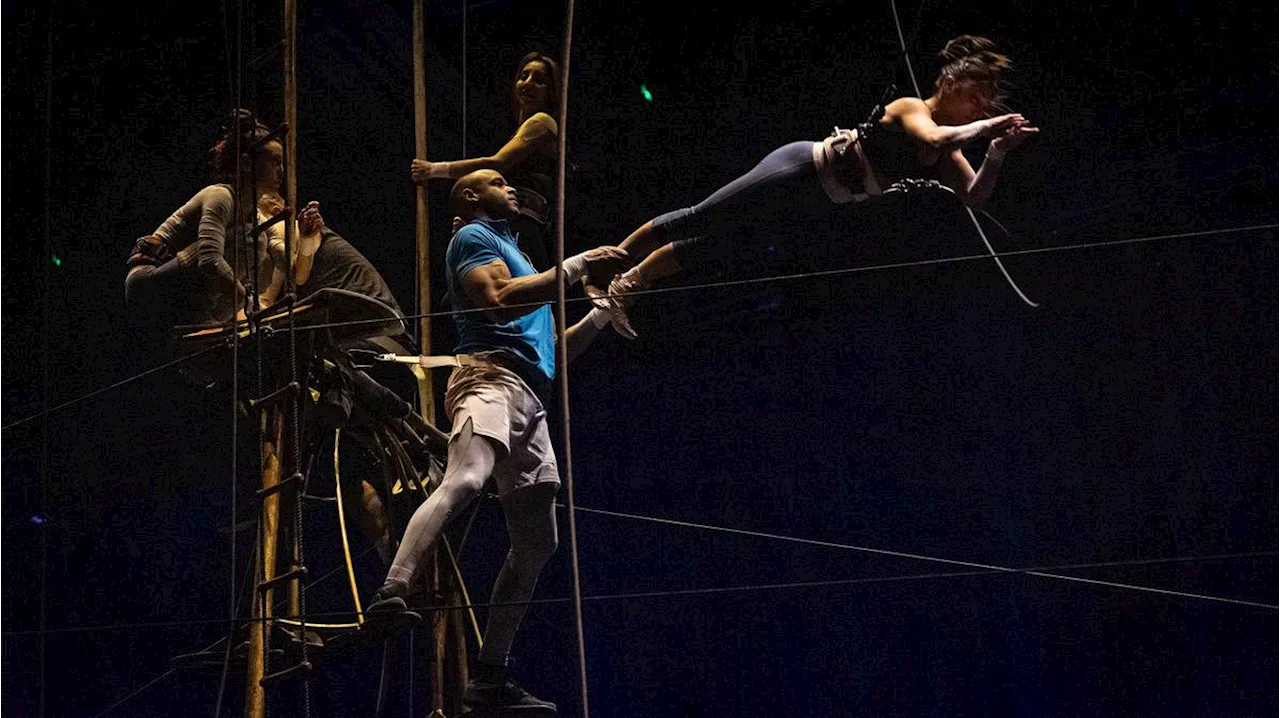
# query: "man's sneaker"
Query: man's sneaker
491,688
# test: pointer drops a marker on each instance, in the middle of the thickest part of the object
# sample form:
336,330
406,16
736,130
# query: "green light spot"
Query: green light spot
57,262
644,91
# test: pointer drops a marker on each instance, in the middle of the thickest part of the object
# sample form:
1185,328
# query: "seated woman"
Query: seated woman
913,139
181,273
527,161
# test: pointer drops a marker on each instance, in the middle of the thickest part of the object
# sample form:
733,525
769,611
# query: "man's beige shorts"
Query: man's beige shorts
503,408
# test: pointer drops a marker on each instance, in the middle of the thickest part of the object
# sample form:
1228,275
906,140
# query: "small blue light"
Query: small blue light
39,519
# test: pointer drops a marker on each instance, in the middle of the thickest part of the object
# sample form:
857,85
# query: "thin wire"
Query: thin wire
902,41
237,81
139,691
116,385
562,357
906,57
825,273
46,352
464,78
171,671
920,557
853,547
886,579
807,584
698,286
919,15
977,570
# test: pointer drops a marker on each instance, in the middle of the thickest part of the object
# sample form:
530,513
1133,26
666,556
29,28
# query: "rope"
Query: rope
562,357
906,57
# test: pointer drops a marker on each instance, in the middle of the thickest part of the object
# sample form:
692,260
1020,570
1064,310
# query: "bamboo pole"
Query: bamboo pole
272,433
426,392
459,641
562,358
439,634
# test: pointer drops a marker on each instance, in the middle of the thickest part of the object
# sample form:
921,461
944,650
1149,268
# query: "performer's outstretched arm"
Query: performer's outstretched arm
975,188
533,134
491,286
913,116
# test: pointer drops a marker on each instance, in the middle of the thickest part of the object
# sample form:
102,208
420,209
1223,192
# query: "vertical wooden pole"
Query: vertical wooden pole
426,392
459,637
272,420
439,633
291,107
290,92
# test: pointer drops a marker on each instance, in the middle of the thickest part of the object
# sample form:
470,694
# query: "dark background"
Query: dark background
924,410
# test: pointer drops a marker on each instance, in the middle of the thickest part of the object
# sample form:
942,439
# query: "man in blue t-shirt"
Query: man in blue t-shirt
499,424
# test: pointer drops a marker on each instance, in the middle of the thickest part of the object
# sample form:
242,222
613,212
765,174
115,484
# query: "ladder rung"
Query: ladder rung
294,573
286,389
282,303
313,497
280,486
290,672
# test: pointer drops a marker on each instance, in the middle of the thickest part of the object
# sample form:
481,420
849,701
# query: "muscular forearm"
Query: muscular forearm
507,298
514,298
579,336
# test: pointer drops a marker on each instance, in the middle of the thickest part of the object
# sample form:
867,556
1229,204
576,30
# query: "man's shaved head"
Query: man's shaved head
469,197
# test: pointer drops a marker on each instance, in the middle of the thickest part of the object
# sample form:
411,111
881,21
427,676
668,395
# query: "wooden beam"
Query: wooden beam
426,392
272,423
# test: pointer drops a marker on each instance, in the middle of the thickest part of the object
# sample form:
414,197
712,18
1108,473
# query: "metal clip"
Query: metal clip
363,358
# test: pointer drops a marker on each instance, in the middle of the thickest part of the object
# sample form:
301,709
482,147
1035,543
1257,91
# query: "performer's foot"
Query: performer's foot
622,285
613,305
388,615
490,688
387,600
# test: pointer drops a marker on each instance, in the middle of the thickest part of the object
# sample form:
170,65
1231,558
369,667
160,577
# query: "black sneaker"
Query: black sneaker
491,689
387,615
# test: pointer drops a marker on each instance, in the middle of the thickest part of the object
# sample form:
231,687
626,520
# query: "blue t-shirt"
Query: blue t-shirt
530,337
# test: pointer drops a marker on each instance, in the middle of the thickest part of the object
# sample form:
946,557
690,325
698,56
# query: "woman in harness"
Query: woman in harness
181,273
527,161
908,138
